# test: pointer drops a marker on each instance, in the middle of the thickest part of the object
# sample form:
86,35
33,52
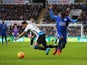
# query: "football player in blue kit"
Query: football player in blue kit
62,22
3,30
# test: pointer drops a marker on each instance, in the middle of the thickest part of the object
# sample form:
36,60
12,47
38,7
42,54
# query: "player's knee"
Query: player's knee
36,47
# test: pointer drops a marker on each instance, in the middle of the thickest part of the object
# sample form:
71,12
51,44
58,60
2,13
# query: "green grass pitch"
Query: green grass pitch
73,54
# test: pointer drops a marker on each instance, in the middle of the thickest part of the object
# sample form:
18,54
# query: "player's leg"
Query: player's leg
36,46
52,46
59,46
6,39
56,41
59,43
64,41
2,39
45,44
60,37
43,41
32,41
62,45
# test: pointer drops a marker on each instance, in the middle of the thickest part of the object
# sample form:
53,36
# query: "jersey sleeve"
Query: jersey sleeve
52,14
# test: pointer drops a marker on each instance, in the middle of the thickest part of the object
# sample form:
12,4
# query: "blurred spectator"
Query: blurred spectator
15,31
3,29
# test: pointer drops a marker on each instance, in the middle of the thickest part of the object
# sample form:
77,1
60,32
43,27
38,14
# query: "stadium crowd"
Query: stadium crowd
19,11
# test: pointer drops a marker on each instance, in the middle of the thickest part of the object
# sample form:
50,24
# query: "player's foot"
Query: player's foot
47,51
59,52
55,51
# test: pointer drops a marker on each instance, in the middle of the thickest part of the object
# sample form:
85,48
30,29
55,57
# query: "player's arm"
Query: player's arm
51,12
74,20
20,35
23,33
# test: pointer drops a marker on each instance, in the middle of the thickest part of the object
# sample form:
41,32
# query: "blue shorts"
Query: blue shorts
64,35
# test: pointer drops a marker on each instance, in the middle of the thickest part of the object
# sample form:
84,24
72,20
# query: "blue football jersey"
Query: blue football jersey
61,24
3,29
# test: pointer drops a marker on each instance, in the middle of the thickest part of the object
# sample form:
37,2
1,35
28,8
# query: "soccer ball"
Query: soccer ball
20,55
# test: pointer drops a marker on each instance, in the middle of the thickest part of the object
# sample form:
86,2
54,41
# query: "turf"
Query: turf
73,54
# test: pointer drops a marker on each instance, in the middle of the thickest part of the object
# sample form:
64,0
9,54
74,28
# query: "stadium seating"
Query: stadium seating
19,12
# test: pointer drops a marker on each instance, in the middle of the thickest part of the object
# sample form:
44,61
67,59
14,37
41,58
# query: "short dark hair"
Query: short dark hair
24,22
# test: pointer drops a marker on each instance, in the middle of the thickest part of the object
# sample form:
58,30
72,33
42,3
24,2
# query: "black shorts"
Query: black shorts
41,39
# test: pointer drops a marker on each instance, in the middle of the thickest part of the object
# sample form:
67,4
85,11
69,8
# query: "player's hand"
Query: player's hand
50,6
